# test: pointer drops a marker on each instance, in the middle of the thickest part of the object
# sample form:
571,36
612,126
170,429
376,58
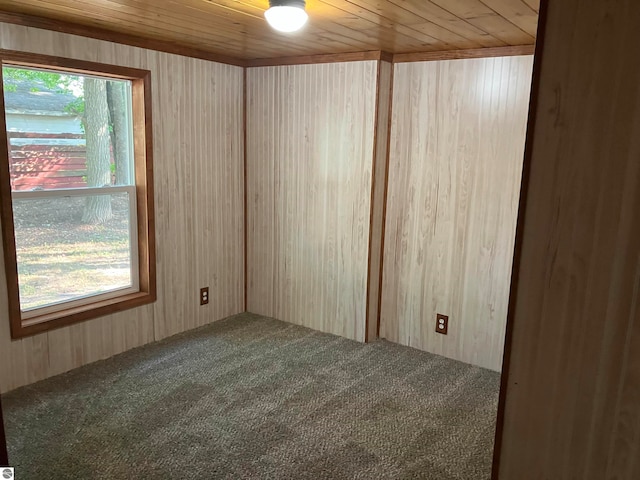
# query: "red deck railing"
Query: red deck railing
37,166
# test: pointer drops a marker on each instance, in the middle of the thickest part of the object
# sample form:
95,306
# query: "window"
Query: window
76,186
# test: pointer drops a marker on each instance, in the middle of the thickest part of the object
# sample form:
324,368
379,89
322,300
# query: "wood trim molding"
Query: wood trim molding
6,220
4,454
100,33
508,51
244,173
386,57
71,65
394,58
143,152
85,312
384,196
374,160
517,253
313,59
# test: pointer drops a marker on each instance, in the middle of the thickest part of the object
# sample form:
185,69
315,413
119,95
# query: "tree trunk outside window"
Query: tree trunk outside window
96,121
120,135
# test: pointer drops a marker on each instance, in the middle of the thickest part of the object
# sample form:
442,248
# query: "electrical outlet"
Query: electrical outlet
442,324
204,296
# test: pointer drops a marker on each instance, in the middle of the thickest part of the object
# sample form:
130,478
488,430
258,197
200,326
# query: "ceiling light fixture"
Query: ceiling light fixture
286,15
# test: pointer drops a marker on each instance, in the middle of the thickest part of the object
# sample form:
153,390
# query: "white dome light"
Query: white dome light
286,16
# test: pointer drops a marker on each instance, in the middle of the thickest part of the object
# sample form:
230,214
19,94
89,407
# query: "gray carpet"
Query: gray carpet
251,397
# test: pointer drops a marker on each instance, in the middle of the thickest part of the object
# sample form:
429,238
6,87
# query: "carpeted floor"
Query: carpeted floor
251,397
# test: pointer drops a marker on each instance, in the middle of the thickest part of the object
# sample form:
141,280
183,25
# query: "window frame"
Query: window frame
130,190
107,303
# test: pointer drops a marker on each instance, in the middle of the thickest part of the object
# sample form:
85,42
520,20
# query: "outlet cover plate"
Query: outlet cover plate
204,296
442,324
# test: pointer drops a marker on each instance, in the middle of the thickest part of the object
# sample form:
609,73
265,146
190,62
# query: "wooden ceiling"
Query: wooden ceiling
230,30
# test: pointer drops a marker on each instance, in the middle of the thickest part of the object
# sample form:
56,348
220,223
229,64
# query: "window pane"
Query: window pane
67,131
61,257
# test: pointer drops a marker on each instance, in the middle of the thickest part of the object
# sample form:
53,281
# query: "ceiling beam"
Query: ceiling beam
327,58
507,51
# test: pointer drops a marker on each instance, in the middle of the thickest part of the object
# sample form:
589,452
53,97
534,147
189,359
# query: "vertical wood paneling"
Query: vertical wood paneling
572,386
198,170
457,141
380,164
309,153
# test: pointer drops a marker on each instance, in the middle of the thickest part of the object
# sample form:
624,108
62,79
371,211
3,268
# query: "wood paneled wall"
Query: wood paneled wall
457,142
572,383
310,147
198,169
